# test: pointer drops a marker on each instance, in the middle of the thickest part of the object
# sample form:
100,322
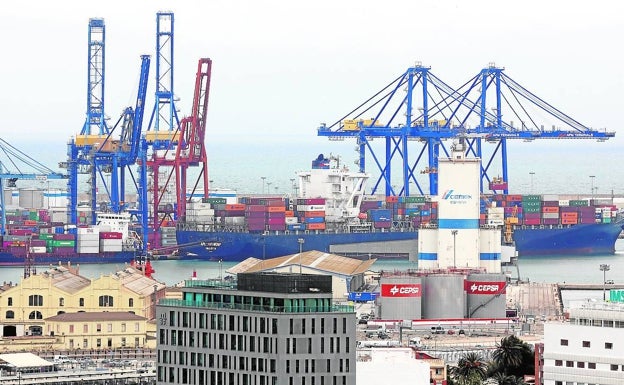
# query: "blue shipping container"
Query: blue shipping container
362,297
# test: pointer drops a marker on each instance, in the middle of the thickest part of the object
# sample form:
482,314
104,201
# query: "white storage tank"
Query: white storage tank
400,297
443,296
427,249
486,295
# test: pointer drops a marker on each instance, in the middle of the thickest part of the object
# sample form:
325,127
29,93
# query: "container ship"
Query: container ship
32,234
347,222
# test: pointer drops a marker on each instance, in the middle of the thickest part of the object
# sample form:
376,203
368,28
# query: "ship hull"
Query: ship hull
235,247
581,239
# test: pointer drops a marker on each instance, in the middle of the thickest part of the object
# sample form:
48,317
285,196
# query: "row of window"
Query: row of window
587,344
190,376
581,365
103,301
597,322
98,328
235,323
246,343
98,343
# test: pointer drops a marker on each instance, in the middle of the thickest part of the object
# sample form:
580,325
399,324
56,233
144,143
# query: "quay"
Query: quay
82,377
589,286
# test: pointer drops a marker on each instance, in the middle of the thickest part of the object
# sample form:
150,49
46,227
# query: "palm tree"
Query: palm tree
503,379
510,352
470,369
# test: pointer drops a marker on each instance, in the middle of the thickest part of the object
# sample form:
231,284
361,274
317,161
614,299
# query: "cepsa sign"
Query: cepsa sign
401,290
474,287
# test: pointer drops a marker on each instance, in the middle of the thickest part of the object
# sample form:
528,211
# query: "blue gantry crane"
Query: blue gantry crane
108,154
417,113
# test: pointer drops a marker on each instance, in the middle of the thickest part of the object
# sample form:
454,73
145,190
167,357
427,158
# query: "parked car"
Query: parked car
609,282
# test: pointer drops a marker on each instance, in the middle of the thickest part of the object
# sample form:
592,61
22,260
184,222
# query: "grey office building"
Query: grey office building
263,329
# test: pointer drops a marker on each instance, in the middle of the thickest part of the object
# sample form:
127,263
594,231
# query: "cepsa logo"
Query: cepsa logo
484,287
400,290
456,198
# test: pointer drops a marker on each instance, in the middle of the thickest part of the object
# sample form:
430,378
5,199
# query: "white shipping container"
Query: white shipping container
310,207
201,219
87,237
564,202
88,250
88,230
234,220
550,197
496,210
110,242
111,249
495,222
38,249
291,220
88,243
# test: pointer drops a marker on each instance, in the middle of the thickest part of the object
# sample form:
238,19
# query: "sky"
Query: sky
281,68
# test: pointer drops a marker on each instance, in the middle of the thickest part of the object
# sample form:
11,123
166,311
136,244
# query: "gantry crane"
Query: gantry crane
162,134
431,112
191,150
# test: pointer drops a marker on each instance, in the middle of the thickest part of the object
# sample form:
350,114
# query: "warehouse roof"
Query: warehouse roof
313,259
23,360
96,316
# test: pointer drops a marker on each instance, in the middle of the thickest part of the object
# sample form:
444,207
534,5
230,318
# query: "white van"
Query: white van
415,341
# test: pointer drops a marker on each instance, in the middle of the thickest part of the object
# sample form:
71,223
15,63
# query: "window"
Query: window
98,342
591,365
580,364
35,300
137,327
85,343
131,302
71,328
569,364
85,328
81,302
614,367
10,301
608,345
106,301
558,363
10,314
586,344
564,342
35,315
61,301
98,328
123,327
109,328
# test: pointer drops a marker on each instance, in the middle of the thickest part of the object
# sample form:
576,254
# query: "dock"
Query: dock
590,286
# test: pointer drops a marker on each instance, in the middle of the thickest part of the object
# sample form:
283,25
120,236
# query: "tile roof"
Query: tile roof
96,316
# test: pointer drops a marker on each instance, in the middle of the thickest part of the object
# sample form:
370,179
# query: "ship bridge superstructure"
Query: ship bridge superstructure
416,114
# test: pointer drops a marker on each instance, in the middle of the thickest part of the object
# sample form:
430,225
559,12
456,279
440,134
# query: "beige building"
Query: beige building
99,330
348,274
25,308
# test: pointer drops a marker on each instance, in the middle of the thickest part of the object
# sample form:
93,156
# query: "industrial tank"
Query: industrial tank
400,297
443,296
486,295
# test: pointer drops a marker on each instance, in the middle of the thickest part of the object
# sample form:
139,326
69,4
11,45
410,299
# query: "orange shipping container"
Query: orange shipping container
235,207
550,209
314,214
569,215
290,213
569,221
315,226
392,199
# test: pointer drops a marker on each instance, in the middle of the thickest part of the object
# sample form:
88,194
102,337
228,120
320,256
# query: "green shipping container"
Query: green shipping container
414,199
62,243
532,209
46,236
527,204
33,216
579,203
531,198
213,201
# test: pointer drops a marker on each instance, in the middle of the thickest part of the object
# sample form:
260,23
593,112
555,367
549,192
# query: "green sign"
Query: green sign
616,295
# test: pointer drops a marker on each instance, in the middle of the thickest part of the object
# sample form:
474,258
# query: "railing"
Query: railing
258,308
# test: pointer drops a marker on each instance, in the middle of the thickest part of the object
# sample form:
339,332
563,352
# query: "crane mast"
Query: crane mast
191,150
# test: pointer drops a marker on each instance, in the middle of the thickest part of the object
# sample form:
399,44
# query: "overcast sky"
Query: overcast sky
282,67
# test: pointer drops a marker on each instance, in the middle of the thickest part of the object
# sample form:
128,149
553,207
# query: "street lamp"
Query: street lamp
269,187
19,378
292,185
592,184
604,268
454,232
301,241
532,173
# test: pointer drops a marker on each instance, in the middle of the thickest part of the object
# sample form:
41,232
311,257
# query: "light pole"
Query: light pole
269,187
454,232
301,242
220,269
19,378
292,185
263,178
604,268
532,173
592,184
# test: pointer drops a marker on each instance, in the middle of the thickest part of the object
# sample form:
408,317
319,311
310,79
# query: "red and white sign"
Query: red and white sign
475,287
396,290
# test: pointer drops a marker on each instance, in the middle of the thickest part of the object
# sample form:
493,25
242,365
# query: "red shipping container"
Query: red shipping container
277,227
315,226
532,221
110,235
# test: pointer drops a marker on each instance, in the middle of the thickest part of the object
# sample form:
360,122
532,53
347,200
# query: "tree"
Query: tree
470,369
514,356
504,379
